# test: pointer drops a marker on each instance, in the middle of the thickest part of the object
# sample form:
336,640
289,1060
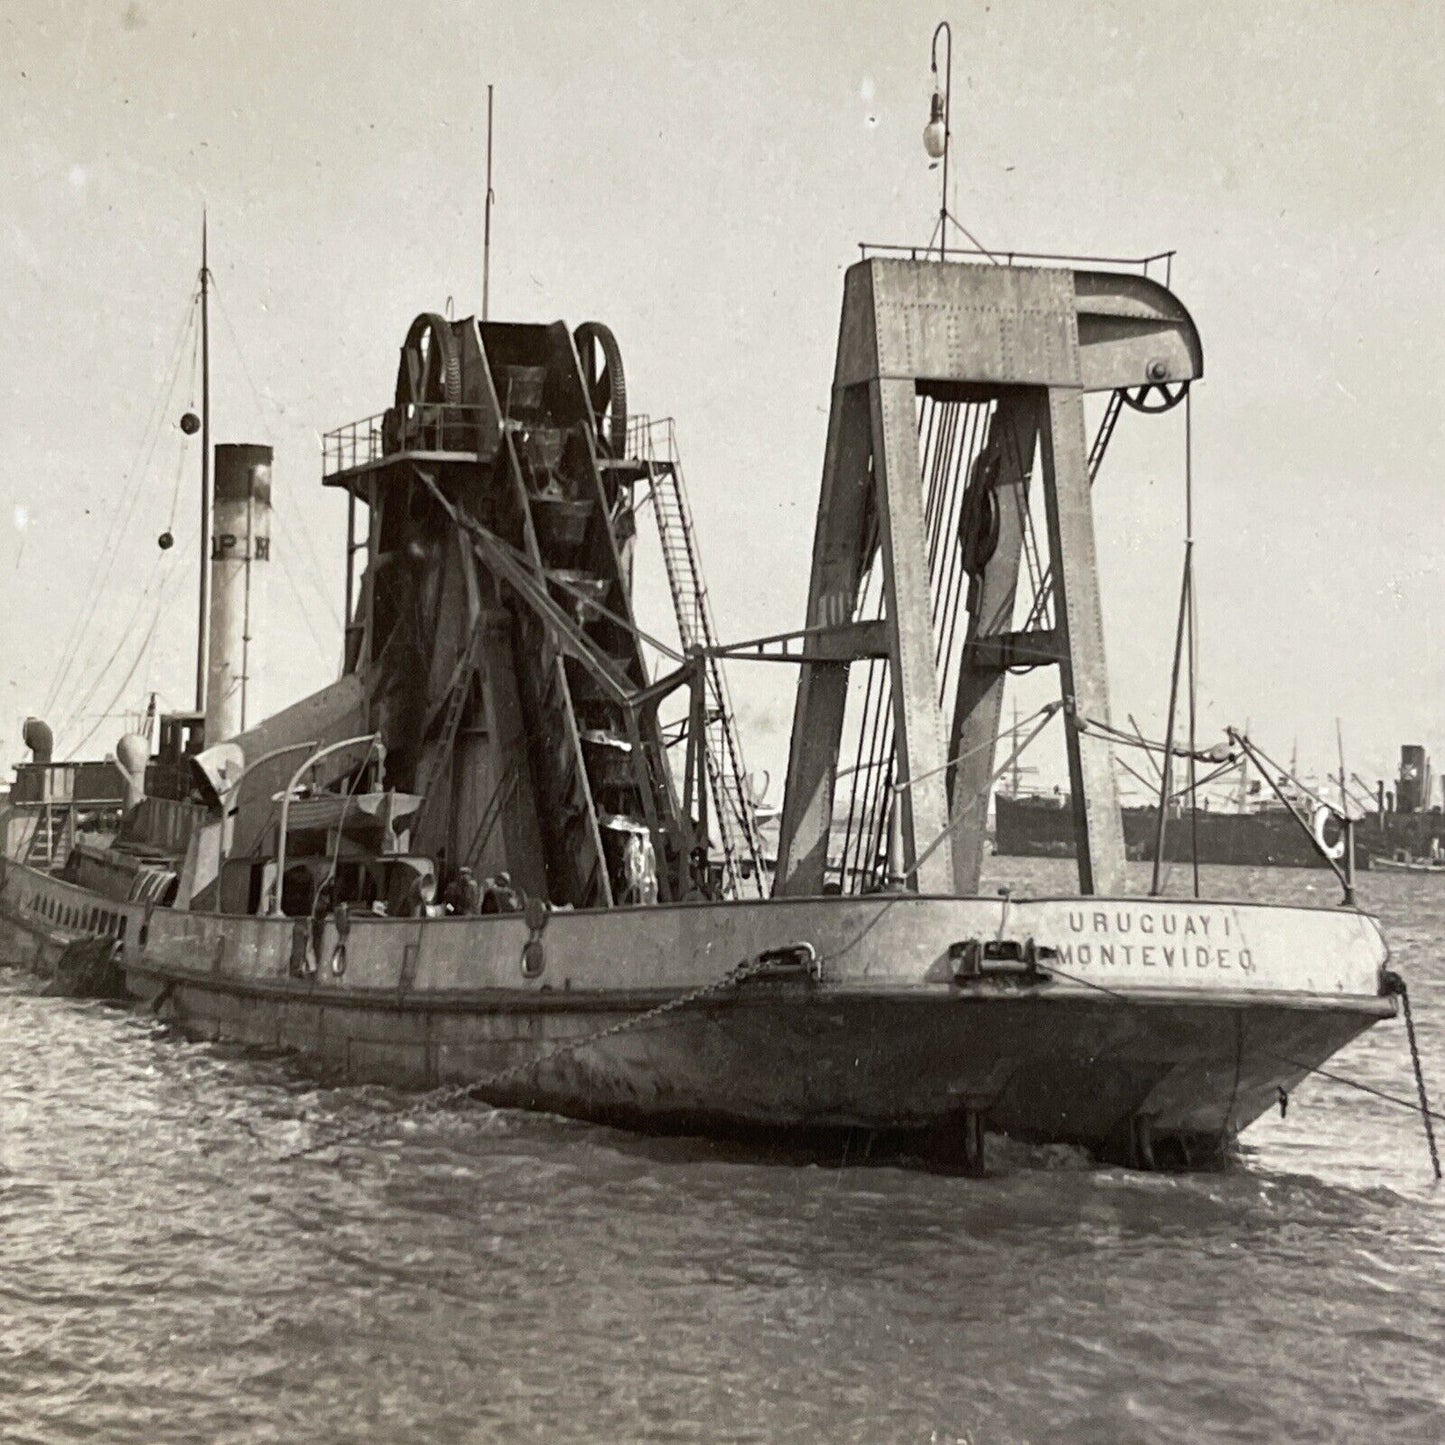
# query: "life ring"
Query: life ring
1322,818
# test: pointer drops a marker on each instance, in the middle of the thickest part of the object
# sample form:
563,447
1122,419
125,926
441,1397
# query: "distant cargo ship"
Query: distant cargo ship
1403,823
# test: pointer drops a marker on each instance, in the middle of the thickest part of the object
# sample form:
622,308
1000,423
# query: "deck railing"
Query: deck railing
1155,267
424,427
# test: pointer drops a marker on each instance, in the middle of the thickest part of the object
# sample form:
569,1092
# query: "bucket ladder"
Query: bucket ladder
654,445
493,625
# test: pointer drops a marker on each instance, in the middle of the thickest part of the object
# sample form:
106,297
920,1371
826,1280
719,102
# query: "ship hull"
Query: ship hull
1043,828
633,1018
1034,828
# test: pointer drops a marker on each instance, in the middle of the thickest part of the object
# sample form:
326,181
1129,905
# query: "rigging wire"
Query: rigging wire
1186,589
1193,635
280,554
1139,733
948,656
120,517
261,402
102,577
1044,715
1282,773
142,651
1421,1107
181,451
953,435
77,709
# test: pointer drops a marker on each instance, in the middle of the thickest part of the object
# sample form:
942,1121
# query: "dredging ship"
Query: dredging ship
475,860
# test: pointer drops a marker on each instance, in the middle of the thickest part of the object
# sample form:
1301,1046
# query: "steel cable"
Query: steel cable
120,517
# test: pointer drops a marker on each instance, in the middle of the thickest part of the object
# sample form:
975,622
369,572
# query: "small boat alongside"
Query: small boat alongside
1403,863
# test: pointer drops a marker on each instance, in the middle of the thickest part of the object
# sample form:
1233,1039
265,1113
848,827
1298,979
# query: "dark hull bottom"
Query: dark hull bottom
1166,1084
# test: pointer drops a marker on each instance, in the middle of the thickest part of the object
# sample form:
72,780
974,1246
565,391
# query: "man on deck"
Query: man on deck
464,894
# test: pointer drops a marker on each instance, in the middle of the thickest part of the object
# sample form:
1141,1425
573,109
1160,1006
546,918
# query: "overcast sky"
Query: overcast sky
699,176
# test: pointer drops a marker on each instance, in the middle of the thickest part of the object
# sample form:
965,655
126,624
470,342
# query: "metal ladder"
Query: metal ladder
50,839
654,445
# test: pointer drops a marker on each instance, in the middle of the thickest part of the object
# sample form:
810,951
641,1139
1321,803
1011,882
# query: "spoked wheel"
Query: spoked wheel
431,367
1155,396
602,375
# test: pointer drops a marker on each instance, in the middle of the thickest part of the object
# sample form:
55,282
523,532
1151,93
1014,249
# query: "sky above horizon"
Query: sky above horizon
699,177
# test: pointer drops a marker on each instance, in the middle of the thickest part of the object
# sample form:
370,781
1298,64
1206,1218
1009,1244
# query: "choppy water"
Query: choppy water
501,1276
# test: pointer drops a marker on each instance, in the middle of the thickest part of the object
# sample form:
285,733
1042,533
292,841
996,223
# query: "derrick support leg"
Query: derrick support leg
918,741
840,547
979,699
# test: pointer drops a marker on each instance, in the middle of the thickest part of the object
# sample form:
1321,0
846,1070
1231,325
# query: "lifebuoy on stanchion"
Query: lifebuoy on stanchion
1323,817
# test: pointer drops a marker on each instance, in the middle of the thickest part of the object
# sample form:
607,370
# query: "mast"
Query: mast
201,618
1340,742
487,221
1016,772
1242,805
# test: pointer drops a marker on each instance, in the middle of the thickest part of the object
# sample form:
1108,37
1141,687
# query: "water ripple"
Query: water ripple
481,1275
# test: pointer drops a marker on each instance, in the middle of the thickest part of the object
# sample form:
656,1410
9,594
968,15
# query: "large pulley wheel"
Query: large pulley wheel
431,365
602,375
1155,396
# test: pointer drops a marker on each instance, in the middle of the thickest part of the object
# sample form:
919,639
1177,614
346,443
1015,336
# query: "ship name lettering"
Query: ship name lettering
1129,921
1150,955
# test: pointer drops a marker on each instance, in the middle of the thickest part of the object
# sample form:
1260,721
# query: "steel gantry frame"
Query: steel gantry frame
1031,342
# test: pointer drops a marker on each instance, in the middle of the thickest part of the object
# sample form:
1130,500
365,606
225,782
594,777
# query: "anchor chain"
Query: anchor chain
772,961
1395,984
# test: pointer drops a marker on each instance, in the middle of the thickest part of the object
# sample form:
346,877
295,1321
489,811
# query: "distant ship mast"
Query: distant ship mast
202,621
487,221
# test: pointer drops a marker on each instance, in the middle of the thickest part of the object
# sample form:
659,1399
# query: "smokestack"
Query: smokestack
1412,790
240,552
